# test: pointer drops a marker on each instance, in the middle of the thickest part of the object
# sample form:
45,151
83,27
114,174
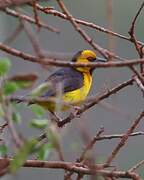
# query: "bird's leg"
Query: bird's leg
54,117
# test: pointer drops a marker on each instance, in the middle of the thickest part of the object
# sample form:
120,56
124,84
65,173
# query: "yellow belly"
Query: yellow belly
79,94
74,97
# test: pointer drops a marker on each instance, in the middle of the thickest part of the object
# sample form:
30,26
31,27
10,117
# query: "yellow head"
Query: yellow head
86,56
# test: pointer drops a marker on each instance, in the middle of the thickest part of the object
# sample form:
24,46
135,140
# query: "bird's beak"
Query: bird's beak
98,59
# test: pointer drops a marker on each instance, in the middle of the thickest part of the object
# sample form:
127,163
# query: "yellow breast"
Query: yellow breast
79,95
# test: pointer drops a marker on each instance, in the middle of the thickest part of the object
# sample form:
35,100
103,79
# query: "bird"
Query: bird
72,84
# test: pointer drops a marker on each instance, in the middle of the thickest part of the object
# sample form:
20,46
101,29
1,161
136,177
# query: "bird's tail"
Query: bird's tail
21,99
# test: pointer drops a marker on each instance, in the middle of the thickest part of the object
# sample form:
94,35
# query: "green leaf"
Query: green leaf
21,156
10,87
23,84
41,89
44,151
3,150
19,106
4,66
39,123
16,117
37,110
53,136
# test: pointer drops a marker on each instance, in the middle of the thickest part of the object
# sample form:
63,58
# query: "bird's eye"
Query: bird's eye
91,58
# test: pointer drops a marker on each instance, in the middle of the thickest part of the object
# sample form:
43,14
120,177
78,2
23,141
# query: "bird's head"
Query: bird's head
86,56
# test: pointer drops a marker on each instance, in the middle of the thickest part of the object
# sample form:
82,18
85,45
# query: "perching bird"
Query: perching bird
71,83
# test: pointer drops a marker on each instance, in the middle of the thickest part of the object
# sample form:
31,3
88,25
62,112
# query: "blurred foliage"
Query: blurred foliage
44,151
39,123
3,150
28,147
5,65
37,110
16,117
8,86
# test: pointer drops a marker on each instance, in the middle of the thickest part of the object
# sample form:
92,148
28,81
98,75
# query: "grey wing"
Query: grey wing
67,79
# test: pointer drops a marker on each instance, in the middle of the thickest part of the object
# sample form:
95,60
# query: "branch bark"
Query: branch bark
77,168
8,3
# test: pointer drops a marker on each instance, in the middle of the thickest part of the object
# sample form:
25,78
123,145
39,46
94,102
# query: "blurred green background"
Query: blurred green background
127,103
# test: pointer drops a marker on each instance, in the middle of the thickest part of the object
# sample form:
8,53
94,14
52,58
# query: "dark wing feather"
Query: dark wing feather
69,79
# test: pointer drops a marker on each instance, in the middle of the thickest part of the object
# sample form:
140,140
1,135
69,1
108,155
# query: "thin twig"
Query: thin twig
8,118
36,16
29,19
136,166
13,35
139,84
53,62
83,22
133,36
86,37
32,37
124,138
9,3
90,145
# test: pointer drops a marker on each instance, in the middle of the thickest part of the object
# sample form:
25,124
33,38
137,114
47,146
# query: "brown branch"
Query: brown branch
32,37
139,79
104,137
132,30
7,116
77,168
135,167
124,139
90,145
139,75
29,19
36,16
140,85
86,37
109,9
54,12
99,138
13,35
138,47
8,3
53,62
115,136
